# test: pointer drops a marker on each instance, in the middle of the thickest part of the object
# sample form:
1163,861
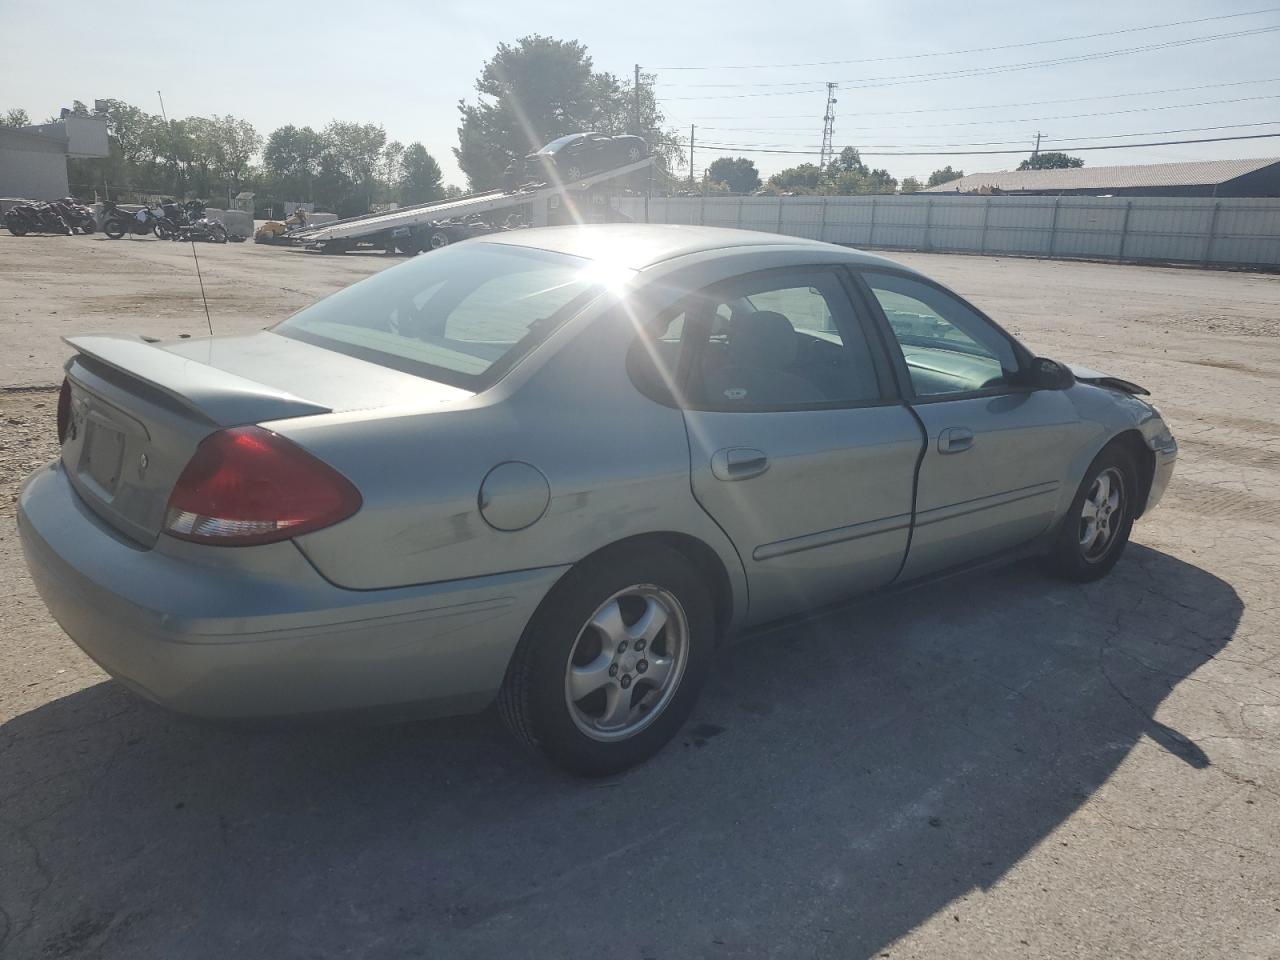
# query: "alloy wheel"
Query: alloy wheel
1102,514
627,662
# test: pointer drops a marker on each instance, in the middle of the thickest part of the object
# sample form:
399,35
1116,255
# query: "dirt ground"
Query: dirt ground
1001,765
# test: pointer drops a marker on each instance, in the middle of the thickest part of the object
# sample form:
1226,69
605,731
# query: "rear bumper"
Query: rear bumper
256,631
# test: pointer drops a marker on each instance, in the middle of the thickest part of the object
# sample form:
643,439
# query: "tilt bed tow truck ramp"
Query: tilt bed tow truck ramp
409,229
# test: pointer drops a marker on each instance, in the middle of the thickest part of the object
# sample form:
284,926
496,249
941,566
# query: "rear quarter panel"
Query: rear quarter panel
616,464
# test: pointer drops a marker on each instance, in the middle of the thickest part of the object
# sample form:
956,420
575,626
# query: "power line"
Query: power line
1000,106
983,123
1023,140
1005,46
966,153
905,79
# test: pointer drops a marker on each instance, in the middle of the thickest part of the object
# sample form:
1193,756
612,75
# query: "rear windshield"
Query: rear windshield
462,315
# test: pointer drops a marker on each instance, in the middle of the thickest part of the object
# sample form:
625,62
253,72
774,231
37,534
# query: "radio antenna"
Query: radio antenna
203,298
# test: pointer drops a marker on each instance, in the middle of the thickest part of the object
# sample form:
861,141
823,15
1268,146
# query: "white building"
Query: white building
33,160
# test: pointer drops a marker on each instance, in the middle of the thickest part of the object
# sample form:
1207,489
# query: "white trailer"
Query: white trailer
389,230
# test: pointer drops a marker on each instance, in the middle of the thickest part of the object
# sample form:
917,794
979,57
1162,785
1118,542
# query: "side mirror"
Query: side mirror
1046,374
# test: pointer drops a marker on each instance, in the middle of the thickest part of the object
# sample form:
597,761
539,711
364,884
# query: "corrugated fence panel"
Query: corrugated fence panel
1023,226
1248,232
848,221
803,217
899,224
1236,231
955,224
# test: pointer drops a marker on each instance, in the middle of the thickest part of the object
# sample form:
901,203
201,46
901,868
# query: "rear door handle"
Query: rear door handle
738,463
955,440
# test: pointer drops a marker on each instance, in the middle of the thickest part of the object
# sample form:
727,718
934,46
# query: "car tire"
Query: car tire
88,227
573,173
16,226
574,644
634,154
437,239
1097,526
114,229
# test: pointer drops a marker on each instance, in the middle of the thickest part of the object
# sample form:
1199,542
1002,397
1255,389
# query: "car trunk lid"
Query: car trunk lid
138,410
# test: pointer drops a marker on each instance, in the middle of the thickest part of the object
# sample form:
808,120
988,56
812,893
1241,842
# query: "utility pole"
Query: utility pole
692,127
828,152
1036,152
639,126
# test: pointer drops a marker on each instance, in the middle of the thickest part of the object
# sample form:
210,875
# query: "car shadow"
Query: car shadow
841,782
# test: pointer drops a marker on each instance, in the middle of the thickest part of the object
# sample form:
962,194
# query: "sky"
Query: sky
406,65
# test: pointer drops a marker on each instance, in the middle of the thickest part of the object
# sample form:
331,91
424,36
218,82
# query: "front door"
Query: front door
799,449
996,453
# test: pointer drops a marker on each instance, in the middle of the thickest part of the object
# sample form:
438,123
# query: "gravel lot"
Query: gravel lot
998,766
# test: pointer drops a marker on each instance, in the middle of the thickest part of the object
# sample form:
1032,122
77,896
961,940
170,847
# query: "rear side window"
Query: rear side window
463,315
774,340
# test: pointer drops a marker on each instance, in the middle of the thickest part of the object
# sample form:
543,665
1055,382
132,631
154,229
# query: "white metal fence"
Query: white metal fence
1203,230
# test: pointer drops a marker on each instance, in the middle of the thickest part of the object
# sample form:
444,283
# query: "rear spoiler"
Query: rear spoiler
223,399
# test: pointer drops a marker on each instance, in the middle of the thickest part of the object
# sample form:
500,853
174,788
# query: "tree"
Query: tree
910,185
945,175
353,150
420,176
542,88
849,161
1050,161
739,175
15,117
292,158
231,144
393,166
806,176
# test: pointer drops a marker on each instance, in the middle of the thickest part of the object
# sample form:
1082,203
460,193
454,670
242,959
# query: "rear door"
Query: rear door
996,453
800,449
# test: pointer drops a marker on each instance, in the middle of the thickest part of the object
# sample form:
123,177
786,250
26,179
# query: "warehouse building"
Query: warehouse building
1196,178
33,160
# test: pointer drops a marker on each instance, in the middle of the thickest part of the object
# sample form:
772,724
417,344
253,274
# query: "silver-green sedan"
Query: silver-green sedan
558,468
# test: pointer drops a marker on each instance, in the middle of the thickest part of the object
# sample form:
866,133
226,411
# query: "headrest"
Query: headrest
762,339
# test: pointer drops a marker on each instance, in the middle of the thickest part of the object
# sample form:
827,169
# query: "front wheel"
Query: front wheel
610,666
1098,524
17,226
437,239
115,229
88,226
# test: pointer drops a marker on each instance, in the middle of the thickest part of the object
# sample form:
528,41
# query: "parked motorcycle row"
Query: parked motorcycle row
65,216
169,220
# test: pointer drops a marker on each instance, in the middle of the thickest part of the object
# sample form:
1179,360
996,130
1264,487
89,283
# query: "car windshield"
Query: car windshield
559,142
463,315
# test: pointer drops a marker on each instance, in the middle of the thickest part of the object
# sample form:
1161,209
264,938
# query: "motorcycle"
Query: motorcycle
188,222
116,223
24,218
201,227
78,216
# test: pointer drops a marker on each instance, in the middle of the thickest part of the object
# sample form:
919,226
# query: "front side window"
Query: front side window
947,345
774,340
462,315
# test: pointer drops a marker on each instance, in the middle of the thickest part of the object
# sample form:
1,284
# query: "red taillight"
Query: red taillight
248,485
64,410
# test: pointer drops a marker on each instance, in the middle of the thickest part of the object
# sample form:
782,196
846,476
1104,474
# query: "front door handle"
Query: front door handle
955,440
738,463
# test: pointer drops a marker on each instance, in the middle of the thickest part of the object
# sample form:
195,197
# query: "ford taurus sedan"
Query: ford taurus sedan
556,469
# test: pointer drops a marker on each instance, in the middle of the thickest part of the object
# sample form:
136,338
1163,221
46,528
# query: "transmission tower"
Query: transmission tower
828,153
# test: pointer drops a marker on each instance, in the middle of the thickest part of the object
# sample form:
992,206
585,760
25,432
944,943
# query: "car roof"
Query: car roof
641,245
